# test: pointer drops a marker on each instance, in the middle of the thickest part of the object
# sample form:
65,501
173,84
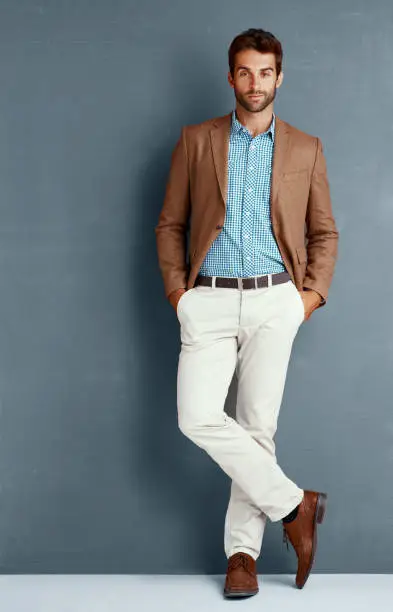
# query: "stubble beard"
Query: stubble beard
254,107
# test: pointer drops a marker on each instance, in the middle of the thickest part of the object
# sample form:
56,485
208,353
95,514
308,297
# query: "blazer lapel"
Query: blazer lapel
280,155
219,138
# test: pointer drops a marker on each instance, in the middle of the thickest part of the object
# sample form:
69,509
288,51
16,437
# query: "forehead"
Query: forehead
253,59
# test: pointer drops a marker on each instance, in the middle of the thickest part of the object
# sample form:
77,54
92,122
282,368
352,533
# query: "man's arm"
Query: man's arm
173,220
322,232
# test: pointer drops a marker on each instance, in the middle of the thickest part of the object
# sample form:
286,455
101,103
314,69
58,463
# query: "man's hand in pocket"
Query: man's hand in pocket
311,300
175,295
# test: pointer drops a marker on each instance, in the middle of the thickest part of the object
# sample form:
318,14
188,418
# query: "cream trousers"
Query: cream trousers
250,332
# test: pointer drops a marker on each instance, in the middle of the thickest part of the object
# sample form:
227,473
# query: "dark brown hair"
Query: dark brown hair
260,40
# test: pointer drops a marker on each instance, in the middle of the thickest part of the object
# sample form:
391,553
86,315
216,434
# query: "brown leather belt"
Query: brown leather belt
251,282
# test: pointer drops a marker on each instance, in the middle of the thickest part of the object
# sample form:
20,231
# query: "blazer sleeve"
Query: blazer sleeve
171,229
322,234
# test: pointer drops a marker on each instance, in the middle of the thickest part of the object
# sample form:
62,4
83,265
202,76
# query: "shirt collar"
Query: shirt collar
237,127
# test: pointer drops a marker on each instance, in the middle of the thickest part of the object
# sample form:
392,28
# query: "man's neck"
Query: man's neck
256,123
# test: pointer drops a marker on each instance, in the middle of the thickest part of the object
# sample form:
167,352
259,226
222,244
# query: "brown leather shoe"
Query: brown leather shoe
241,579
302,532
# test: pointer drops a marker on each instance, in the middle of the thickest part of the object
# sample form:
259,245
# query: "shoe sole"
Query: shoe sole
240,593
318,518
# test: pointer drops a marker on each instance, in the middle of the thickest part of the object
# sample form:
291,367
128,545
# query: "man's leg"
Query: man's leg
210,320
270,318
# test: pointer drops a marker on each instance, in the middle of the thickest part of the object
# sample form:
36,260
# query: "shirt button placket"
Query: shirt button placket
248,208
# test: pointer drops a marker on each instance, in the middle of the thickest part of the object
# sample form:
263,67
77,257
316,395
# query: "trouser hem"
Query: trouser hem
279,516
245,549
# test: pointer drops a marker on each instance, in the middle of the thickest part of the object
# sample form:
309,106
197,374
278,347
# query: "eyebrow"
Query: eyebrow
247,68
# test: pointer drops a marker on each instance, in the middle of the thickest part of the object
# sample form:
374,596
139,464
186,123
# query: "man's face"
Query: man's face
255,73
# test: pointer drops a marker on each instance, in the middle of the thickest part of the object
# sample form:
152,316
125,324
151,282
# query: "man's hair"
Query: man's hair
260,40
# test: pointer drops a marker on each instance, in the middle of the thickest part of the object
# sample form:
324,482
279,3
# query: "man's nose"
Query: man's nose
256,83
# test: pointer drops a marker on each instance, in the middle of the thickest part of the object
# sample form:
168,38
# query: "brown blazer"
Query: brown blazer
195,199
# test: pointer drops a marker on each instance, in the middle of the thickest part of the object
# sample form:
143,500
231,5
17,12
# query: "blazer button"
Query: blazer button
219,226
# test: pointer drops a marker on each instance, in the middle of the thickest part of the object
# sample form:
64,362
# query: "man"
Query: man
253,192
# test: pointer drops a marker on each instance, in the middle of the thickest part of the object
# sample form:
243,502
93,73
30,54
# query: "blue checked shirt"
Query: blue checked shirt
246,245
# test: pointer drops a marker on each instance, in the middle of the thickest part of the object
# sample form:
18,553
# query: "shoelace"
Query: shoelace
239,561
285,537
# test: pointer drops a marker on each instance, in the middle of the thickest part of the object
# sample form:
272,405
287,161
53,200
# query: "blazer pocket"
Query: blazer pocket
295,174
301,254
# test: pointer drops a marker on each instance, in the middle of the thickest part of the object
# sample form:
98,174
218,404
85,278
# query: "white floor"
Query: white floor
178,593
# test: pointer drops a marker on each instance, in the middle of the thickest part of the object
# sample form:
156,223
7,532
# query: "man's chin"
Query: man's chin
253,108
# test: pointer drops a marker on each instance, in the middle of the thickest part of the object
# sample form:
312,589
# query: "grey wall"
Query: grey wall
94,474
